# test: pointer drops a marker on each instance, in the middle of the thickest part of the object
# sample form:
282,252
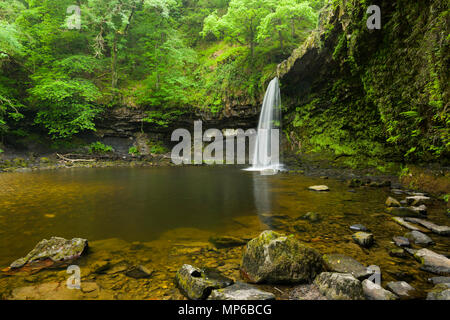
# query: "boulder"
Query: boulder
227,242
391,202
364,239
440,292
57,250
433,262
438,280
441,230
422,209
402,212
402,289
419,238
197,284
319,188
401,241
241,291
339,286
373,291
345,264
276,258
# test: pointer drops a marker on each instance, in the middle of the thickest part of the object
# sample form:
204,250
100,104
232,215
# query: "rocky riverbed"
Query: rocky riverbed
317,244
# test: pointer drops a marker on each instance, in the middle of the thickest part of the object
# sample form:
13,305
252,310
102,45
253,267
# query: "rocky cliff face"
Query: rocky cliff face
362,95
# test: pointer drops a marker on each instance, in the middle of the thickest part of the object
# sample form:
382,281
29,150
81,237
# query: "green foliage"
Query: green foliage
133,151
99,148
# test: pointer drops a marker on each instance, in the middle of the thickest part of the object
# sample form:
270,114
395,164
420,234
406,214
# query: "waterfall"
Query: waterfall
267,142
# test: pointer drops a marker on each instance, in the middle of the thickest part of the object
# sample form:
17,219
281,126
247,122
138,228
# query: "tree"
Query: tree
285,18
240,23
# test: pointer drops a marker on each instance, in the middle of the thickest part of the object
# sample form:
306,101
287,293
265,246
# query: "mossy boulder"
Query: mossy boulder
197,284
339,286
433,262
56,250
276,258
392,202
364,239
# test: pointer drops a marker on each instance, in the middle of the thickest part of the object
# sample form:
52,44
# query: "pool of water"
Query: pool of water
168,206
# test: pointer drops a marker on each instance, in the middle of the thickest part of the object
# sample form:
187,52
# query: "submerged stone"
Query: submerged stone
197,284
358,227
56,249
398,252
319,188
373,291
345,264
364,239
139,272
276,258
402,212
311,217
433,262
339,286
401,241
227,242
241,291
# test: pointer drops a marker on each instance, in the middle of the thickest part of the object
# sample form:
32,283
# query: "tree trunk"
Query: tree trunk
114,73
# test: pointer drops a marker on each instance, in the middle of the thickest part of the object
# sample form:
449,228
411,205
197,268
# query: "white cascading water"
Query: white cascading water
266,149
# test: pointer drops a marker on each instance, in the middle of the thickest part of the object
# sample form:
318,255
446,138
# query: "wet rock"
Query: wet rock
441,230
241,291
402,212
227,242
319,188
339,286
373,291
419,238
398,252
391,202
139,272
345,264
402,289
197,284
401,241
405,224
438,280
276,258
354,183
118,268
364,239
417,200
306,292
422,209
56,249
440,292
311,217
410,251
358,227
433,262
100,266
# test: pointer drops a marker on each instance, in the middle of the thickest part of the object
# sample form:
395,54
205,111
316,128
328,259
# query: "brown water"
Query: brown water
163,218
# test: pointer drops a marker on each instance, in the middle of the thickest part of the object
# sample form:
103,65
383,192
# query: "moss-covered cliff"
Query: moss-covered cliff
361,95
